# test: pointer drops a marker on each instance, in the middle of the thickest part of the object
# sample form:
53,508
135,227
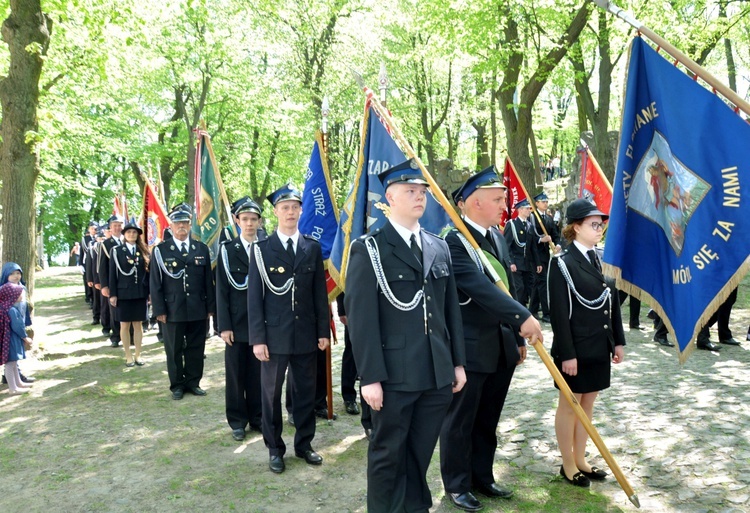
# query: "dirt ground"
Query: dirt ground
95,436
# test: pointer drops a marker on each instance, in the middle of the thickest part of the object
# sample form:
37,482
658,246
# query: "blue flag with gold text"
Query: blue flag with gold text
319,217
365,207
677,236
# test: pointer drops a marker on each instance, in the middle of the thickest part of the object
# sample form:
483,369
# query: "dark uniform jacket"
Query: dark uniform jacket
582,333
105,249
86,242
90,266
543,248
231,303
188,298
491,318
134,286
390,346
287,330
521,244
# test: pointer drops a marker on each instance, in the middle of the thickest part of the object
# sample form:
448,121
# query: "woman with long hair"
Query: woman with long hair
588,334
128,285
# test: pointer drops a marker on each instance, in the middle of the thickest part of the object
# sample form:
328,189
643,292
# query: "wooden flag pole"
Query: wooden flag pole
680,57
537,344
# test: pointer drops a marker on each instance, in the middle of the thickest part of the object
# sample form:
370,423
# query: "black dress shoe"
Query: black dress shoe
114,343
493,490
545,318
352,408
465,501
708,346
105,332
276,464
290,420
323,414
578,478
197,391
637,326
95,322
596,474
177,394
310,456
5,381
663,342
238,434
730,341
25,379
368,433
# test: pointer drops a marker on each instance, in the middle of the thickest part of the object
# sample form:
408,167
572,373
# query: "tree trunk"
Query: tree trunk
27,32
517,113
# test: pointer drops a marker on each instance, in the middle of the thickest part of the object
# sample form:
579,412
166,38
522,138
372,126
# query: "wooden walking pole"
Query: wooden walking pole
537,344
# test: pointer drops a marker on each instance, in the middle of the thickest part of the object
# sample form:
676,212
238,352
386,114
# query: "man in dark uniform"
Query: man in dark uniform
92,275
523,255
405,325
182,298
543,239
243,406
86,241
115,226
288,315
492,321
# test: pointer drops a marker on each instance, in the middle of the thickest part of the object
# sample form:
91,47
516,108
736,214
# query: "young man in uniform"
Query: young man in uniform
287,306
243,406
405,325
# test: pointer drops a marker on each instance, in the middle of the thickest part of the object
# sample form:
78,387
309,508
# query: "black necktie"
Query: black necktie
415,248
290,248
488,236
594,259
184,249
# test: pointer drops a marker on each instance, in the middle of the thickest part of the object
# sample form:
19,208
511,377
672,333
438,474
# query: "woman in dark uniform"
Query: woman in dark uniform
128,283
588,334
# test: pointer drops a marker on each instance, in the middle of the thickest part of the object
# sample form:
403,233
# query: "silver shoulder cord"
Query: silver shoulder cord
225,260
595,304
515,234
377,267
474,256
160,261
279,291
134,269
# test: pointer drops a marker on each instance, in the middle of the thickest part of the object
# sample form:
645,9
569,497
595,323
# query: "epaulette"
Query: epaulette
426,233
225,241
561,253
310,237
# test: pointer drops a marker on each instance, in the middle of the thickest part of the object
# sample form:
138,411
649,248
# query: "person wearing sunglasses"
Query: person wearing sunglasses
588,333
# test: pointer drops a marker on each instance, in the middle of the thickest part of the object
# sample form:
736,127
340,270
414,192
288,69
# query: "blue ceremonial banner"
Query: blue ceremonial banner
365,206
319,217
677,235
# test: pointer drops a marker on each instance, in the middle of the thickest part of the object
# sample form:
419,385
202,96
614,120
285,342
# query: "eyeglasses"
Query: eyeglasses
597,226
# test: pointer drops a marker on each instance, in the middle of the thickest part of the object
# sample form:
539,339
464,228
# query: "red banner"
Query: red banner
594,185
155,217
516,191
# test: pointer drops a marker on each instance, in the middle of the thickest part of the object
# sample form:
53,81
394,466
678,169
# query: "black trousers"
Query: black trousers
523,281
302,379
468,437
635,308
104,312
348,370
96,304
89,291
184,343
721,319
405,432
243,405
539,292
321,382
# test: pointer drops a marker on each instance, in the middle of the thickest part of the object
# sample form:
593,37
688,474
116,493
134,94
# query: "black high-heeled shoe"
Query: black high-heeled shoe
578,478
